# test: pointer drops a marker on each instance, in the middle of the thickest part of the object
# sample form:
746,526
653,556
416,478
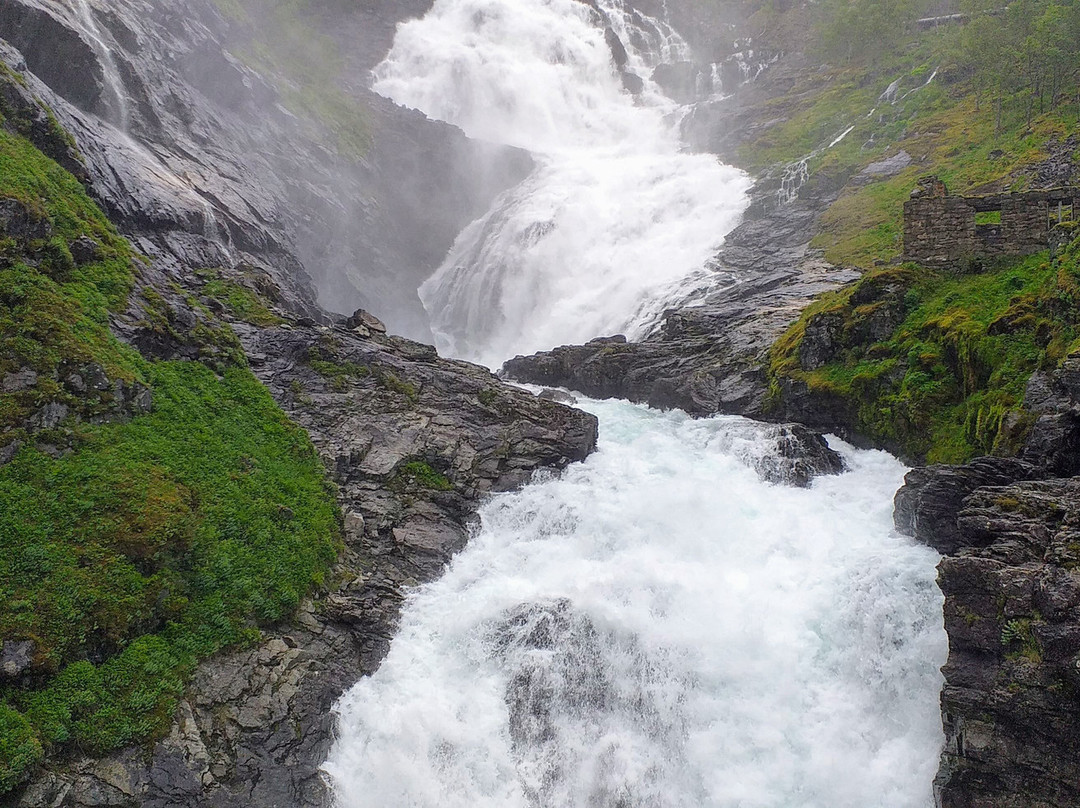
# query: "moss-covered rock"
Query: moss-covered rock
932,364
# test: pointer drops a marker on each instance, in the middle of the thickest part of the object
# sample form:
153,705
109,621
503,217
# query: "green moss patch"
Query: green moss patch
54,311
419,474
243,303
157,543
945,381
131,551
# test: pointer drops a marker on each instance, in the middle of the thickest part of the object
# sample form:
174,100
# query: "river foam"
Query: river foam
658,627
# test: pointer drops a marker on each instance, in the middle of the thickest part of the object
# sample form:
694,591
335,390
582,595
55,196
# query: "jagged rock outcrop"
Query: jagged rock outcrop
708,358
1010,702
1010,532
797,455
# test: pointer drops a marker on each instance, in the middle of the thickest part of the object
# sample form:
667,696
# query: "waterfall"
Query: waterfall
614,223
658,628
118,101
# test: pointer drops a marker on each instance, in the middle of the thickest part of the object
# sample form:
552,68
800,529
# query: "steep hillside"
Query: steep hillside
213,493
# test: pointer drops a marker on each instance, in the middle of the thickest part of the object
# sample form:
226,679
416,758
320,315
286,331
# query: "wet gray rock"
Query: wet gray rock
49,416
557,395
16,657
1011,580
22,379
365,320
1053,399
680,81
797,455
888,167
85,250
822,340
927,505
9,451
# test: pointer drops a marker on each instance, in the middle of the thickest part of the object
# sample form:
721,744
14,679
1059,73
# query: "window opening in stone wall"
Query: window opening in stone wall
1061,212
988,217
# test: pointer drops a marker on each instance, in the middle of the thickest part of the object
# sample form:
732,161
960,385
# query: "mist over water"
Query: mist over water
658,627
614,224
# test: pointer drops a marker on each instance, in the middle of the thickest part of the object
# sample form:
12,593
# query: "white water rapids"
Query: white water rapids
655,627
658,628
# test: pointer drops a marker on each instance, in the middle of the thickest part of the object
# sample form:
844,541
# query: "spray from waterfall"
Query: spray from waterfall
614,222
658,628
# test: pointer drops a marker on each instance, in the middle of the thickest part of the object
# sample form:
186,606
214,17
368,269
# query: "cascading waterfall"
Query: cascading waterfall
658,628
118,101
613,224
655,627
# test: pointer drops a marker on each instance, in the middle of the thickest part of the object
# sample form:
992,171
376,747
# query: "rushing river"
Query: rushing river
656,627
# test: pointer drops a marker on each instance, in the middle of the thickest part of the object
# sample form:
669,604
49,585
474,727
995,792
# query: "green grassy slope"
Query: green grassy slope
932,364
129,550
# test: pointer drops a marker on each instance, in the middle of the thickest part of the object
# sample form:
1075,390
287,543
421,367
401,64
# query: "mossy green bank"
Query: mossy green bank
131,548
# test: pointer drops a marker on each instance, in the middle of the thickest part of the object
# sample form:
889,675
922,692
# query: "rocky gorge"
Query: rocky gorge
269,229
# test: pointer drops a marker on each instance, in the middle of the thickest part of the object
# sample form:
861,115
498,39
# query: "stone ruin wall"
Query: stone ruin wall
940,228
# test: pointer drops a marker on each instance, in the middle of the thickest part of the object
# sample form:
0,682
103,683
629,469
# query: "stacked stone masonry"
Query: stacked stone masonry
941,228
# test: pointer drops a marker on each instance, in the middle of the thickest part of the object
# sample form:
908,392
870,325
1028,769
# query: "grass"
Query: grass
244,304
157,543
419,474
947,383
339,373
54,312
147,545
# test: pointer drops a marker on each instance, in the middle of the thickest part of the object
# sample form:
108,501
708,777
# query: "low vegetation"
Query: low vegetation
932,364
131,548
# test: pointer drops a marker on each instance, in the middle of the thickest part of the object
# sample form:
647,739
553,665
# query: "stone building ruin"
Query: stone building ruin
942,228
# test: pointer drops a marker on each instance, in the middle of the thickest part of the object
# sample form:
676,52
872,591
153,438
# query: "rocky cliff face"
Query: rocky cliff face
181,135
1008,531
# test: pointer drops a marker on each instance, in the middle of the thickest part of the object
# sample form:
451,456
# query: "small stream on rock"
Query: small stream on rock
656,627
